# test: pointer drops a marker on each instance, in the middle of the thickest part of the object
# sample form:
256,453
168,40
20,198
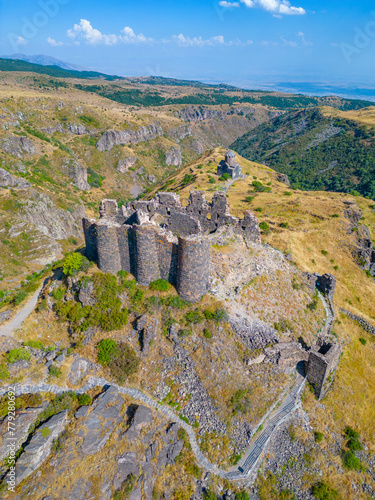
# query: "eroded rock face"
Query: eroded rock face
116,137
173,157
197,147
39,448
79,369
17,146
86,294
51,221
124,165
180,133
78,173
7,179
198,114
255,335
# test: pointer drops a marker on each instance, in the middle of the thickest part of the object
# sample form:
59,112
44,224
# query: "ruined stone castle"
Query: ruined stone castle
161,238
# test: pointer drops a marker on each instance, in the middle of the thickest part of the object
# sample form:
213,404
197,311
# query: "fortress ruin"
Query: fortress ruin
161,238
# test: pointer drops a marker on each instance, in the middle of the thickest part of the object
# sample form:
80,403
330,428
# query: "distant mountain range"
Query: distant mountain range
45,61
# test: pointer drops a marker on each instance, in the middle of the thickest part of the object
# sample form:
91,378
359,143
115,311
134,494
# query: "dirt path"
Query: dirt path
20,317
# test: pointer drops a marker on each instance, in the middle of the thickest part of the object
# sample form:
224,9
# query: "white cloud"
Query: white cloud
276,7
228,5
21,41
289,43
53,42
197,41
303,38
92,36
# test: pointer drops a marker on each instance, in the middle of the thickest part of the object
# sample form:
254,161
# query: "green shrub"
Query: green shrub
324,252
318,436
119,357
321,491
242,495
18,354
84,399
207,333
284,225
259,209
137,297
248,199
66,401
45,432
175,301
240,402
188,179
363,341
351,461
225,177
288,193
4,372
353,442
160,285
211,180
58,294
193,316
264,227
34,344
19,297
259,188
126,488
74,263
55,371
106,349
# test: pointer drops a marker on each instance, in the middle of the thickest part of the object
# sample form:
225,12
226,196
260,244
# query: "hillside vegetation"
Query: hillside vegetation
318,149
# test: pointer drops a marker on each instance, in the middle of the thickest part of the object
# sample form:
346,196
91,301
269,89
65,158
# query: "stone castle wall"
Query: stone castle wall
162,239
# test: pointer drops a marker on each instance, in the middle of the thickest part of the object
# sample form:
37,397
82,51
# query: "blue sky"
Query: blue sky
248,42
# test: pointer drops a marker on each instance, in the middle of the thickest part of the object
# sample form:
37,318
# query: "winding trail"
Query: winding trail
20,317
253,453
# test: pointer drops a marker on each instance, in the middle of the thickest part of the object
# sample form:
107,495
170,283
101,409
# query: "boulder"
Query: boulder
142,417
39,448
168,454
5,315
326,284
79,369
152,178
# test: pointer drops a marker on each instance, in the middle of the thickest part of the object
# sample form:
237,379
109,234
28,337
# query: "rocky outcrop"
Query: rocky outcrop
117,137
80,368
39,448
141,418
77,173
173,157
180,133
124,165
283,178
53,129
254,335
147,329
8,180
77,129
51,221
86,294
17,146
363,251
197,147
198,114
21,425
99,424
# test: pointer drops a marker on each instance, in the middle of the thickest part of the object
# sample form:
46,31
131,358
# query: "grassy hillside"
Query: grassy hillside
318,149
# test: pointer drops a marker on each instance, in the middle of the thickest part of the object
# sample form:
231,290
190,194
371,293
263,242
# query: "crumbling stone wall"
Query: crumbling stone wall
160,238
361,321
321,367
